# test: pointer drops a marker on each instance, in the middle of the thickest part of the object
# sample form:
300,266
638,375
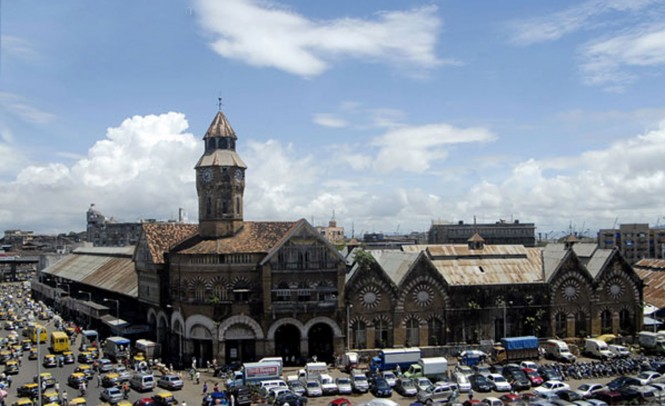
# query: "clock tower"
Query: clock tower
220,182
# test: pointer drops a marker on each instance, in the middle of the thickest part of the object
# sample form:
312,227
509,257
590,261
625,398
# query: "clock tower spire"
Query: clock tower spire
220,182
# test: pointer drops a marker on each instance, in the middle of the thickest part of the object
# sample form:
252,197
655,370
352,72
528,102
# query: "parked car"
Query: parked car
436,394
390,377
479,383
499,383
111,395
290,398
297,387
587,389
568,395
462,382
422,383
343,385
533,376
359,382
381,389
313,388
646,377
551,387
406,387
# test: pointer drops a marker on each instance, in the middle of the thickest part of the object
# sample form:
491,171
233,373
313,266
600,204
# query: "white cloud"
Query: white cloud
18,47
582,16
412,149
606,62
142,169
266,34
18,106
329,120
10,157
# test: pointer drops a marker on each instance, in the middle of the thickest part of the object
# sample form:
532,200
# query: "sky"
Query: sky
389,114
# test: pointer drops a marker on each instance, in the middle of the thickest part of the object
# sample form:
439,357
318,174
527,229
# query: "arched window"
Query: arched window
581,328
219,291
435,331
625,321
560,325
412,333
605,322
381,334
359,338
200,292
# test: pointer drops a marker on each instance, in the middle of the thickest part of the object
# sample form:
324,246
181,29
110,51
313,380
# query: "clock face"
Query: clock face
240,174
206,175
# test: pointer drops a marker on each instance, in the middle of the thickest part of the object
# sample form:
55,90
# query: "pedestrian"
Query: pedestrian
57,387
125,390
99,380
19,359
193,362
470,394
205,388
9,381
83,387
198,377
233,400
216,387
64,398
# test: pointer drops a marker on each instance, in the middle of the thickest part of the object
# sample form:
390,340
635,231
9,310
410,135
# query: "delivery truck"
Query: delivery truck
514,349
255,372
150,349
651,343
116,348
389,359
558,350
434,368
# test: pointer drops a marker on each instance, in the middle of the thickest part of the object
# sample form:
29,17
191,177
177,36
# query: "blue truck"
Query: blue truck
517,349
389,359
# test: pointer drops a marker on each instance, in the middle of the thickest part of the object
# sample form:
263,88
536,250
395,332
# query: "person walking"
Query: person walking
65,402
205,388
99,380
198,377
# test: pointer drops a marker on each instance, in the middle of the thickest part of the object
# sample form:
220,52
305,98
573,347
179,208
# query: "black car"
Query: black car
518,379
291,399
479,383
381,389
622,382
242,395
569,395
549,374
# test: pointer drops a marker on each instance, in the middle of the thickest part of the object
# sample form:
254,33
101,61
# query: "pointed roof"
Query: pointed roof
161,237
476,238
220,127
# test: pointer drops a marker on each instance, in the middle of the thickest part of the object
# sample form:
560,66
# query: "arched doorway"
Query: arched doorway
201,341
287,343
240,343
320,339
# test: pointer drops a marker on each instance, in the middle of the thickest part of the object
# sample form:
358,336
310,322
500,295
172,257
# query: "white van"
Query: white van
273,383
558,350
597,349
142,382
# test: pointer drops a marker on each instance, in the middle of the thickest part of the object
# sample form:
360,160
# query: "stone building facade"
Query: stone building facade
236,290
431,295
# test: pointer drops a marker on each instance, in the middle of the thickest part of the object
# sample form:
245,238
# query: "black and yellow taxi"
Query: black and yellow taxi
28,390
11,367
47,379
23,402
49,361
78,402
164,399
5,356
86,370
76,379
94,351
68,357
86,357
110,379
26,344
33,353
50,396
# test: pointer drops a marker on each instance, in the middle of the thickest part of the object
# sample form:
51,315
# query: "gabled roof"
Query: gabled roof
161,237
553,257
254,237
108,268
299,226
396,264
650,264
476,238
592,258
220,127
598,261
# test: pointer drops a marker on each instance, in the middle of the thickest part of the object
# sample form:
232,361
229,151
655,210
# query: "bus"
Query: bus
33,331
59,342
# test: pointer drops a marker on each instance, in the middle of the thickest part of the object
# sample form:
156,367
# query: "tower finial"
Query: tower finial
219,103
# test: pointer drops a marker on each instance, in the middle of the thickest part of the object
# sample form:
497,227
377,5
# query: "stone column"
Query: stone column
570,325
371,336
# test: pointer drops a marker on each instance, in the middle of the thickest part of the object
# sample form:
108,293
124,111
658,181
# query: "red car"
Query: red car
534,376
145,402
340,402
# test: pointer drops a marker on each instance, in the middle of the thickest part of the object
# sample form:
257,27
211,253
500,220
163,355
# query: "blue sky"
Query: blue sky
391,113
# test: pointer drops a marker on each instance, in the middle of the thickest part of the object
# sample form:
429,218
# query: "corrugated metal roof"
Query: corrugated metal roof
108,268
598,261
654,286
462,250
649,263
553,254
221,157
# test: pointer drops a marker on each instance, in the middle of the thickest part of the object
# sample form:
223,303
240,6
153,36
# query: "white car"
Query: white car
422,383
390,377
328,386
646,377
313,388
528,364
380,402
619,351
587,389
551,387
462,382
499,383
465,369
344,385
359,383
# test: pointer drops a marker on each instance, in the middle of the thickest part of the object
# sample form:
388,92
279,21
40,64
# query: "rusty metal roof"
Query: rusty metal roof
491,265
650,263
221,157
108,268
220,127
654,286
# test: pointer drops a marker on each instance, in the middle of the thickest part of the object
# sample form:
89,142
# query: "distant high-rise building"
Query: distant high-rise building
635,241
502,232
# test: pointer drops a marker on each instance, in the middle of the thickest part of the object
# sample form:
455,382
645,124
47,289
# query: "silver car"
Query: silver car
344,385
170,382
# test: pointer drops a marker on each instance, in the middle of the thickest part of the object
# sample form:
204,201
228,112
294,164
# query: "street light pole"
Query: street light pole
348,326
39,366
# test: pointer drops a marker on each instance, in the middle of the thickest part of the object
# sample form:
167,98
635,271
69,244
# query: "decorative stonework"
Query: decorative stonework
370,296
570,290
423,295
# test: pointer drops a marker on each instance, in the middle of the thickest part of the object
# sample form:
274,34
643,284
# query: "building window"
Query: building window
412,333
605,322
199,292
625,321
381,338
581,329
435,331
560,325
359,330
219,291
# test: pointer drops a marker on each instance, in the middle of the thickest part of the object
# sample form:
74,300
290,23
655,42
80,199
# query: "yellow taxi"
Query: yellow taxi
68,357
52,404
86,357
124,403
94,351
76,379
86,370
164,398
5,356
28,390
51,396
23,402
78,402
47,378
139,357
110,379
11,367
49,361
33,353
